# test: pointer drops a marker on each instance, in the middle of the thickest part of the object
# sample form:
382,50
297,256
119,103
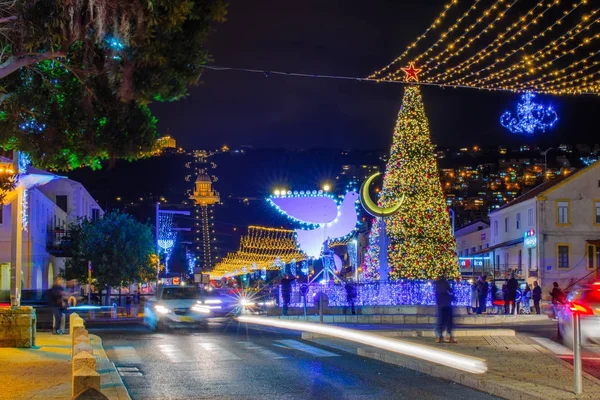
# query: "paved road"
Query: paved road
231,361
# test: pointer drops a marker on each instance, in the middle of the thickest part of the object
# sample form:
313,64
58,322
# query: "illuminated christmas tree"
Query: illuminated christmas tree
420,240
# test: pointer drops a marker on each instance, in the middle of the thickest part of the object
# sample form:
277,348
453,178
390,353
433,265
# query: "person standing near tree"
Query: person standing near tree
537,296
511,287
444,296
350,294
483,293
286,293
474,298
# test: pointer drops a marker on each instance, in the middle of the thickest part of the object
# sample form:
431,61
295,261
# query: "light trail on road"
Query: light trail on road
449,359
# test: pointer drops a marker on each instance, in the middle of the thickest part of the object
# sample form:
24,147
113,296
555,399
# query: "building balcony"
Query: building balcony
59,243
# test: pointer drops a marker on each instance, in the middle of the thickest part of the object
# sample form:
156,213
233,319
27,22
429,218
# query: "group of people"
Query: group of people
510,289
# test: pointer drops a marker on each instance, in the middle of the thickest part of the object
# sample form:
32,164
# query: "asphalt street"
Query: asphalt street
227,360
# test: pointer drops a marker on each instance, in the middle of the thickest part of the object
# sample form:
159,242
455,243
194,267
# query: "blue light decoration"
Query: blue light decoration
32,126
293,267
402,292
114,43
531,117
166,237
352,247
24,161
304,268
263,274
191,261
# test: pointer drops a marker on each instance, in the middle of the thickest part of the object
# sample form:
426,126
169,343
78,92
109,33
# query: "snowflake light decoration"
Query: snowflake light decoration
531,117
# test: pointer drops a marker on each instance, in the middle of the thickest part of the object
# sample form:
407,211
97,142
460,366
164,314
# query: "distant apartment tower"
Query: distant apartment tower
205,198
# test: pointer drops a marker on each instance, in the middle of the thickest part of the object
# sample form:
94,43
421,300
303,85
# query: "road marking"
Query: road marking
261,350
219,352
554,347
315,351
126,354
129,371
174,354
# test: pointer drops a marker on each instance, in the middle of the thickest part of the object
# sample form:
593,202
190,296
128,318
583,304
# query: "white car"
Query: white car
585,301
176,305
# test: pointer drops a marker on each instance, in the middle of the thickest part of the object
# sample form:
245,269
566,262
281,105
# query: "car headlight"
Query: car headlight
161,309
201,308
246,302
213,301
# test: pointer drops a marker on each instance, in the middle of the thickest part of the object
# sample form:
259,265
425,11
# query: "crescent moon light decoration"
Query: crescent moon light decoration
370,206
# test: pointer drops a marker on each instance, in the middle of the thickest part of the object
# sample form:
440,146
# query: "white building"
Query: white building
50,208
552,232
472,242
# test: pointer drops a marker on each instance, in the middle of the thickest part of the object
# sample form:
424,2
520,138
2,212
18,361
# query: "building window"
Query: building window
61,202
520,259
95,214
506,224
597,210
591,254
562,256
495,228
460,253
518,221
473,249
562,212
530,217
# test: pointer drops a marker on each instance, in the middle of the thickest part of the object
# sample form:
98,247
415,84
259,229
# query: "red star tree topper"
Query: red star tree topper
412,72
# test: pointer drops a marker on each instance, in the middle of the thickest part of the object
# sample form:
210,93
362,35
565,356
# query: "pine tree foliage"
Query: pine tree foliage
421,242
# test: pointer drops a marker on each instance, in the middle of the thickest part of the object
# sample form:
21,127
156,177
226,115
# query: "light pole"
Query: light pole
545,154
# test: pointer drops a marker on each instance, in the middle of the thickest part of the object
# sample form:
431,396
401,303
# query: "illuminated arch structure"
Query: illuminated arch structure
261,249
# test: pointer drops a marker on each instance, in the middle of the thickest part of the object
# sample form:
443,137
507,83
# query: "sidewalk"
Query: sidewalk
518,368
44,372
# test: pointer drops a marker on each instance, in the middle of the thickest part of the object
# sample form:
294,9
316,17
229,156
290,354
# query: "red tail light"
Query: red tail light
581,309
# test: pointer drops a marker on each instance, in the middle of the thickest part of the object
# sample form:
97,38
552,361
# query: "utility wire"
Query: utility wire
268,73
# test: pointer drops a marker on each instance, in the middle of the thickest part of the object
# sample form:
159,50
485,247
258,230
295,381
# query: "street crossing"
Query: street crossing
209,348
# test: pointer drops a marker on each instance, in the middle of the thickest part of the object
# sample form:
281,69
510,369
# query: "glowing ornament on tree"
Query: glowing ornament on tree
531,117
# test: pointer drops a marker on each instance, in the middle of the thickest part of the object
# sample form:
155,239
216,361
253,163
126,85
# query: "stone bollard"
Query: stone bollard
78,331
84,359
90,394
83,379
72,318
81,339
82,346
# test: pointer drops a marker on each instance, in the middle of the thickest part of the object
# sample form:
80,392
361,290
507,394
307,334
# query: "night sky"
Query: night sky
337,37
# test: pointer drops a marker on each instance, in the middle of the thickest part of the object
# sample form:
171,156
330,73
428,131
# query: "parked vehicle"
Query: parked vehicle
585,301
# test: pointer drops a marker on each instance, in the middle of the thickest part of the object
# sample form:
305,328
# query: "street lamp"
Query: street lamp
545,154
326,187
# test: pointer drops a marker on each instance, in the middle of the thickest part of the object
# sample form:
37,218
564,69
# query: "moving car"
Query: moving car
180,305
585,301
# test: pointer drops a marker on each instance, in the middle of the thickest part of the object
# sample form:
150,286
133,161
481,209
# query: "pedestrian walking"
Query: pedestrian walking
474,298
57,300
482,293
351,294
505,297
511,287
286,292
525,298
537,296
557,296
444,296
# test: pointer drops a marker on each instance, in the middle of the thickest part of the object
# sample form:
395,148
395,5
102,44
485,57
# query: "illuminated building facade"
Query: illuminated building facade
205,198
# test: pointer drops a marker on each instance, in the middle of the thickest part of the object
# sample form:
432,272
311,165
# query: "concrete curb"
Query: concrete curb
111,383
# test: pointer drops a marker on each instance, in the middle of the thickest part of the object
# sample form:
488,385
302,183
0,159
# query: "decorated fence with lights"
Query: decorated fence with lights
403,292
260,250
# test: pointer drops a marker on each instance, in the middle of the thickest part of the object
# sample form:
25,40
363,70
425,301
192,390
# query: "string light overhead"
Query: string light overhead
550,48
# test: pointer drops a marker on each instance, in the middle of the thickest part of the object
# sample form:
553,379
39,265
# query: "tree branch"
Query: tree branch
7,19
14,63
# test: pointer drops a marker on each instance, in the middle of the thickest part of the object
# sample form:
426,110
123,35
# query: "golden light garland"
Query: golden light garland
260,249
551,48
